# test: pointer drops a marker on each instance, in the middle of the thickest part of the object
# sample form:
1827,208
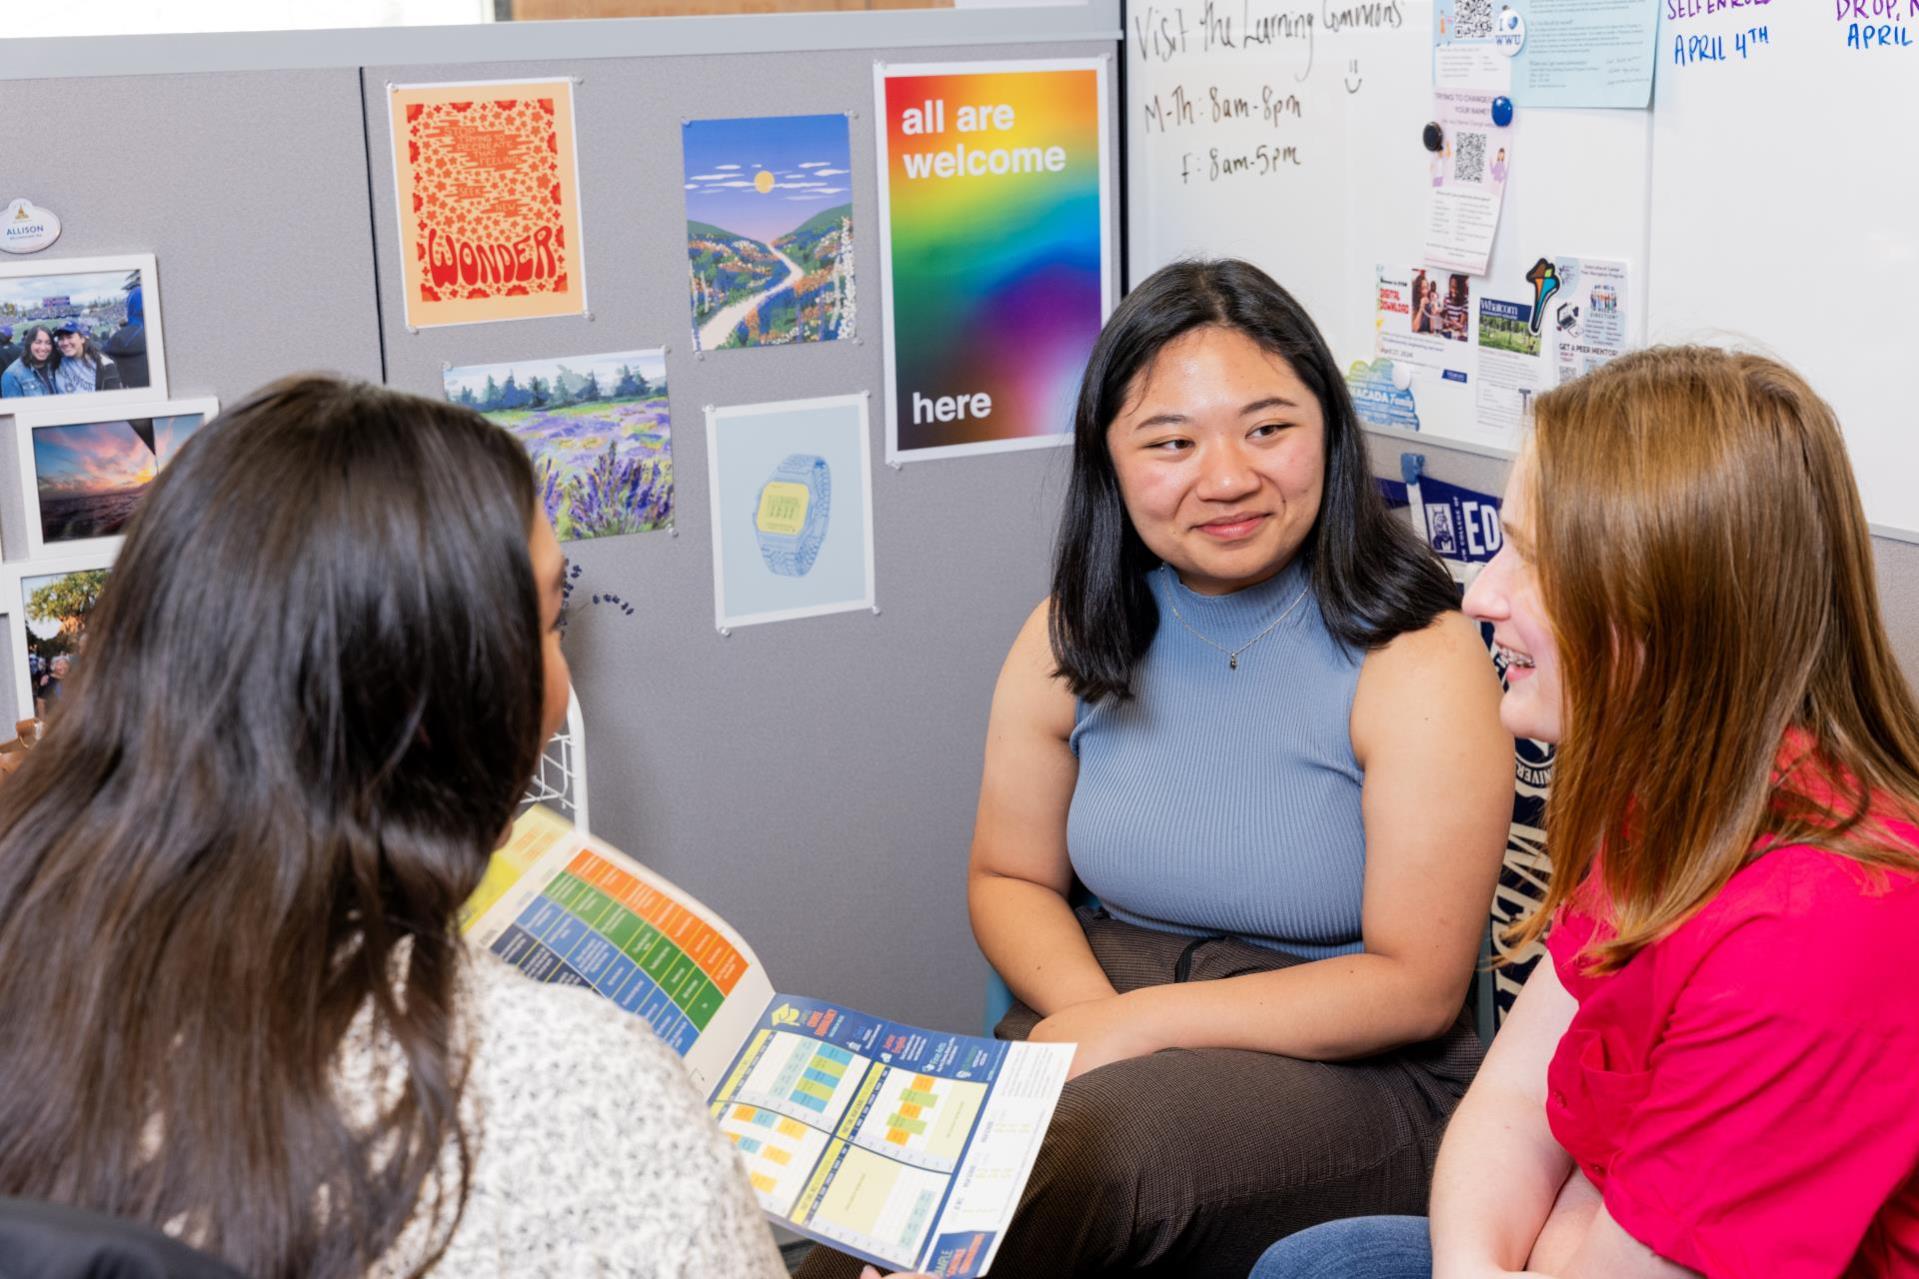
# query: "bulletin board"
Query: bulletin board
1756,201
815,779
1290,136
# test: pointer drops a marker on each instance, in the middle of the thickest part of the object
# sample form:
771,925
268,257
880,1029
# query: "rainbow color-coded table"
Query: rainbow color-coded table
595,925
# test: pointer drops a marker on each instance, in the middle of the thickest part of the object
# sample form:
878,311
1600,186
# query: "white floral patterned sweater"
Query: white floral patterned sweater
592,1153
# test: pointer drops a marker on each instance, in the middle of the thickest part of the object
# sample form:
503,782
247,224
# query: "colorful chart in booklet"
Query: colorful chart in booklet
870,1202
598,926
856,1150
799,1077
778,1151
921,1120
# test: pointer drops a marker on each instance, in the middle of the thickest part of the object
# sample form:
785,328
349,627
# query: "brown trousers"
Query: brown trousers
1191,1161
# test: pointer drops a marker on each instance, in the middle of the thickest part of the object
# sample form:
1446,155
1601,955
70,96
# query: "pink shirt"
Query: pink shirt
1745,1092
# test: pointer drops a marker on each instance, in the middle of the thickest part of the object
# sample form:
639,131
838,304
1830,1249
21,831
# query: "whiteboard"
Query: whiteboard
1350,101
1786,213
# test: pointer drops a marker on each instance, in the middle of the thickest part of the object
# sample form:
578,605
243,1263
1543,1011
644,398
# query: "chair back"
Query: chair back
54,1241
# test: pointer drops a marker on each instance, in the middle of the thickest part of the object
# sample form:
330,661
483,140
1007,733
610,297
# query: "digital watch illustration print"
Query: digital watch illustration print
790,518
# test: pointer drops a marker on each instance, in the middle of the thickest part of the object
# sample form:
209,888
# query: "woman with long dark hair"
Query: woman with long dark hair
32,373
1424,312
1712,1068
83,365
1251,720
236,1003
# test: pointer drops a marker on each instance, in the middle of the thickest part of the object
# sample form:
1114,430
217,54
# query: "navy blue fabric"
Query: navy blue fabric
53,1241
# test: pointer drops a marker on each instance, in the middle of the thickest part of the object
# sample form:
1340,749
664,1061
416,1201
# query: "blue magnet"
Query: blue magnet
1432,137
1502,111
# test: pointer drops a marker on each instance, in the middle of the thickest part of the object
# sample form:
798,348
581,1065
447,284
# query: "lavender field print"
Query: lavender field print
598,431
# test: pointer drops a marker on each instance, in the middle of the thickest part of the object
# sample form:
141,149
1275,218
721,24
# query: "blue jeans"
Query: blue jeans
1356,1248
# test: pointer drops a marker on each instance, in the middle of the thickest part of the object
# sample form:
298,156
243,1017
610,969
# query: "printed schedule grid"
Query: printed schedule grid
853,1151
908,1120
797,1076
779,1152
595,925
920,1120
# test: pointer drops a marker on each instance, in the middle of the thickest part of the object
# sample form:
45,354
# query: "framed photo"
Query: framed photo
47,610
83,469
791,490
81,330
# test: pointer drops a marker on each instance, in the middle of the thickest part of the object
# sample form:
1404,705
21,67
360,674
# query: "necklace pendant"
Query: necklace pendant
1232,661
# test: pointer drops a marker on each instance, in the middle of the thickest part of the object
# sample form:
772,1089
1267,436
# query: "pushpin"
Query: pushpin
1433,137
1502,111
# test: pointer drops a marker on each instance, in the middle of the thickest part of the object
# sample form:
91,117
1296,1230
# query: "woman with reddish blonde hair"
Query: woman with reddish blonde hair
1712,1072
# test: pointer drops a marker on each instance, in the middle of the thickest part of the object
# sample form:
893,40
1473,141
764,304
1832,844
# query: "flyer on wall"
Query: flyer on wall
1468,181
1561,53
996,261
1422,322
486,183
1512,367
1591,322
1455,356
791,496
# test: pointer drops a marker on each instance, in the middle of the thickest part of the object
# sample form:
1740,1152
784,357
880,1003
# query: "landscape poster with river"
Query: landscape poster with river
769,230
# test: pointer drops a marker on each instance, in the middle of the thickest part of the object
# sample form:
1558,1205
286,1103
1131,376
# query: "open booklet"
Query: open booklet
902,1146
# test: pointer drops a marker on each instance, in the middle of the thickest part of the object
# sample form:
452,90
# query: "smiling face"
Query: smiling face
1506,594
41,347
1220,453
72,345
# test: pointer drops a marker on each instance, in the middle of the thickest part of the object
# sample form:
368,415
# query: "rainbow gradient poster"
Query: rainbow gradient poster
996,258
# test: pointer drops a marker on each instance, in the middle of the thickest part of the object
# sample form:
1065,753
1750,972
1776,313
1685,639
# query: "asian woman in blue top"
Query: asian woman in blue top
1252,721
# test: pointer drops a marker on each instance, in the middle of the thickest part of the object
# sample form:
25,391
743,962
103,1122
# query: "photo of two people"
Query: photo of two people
73,334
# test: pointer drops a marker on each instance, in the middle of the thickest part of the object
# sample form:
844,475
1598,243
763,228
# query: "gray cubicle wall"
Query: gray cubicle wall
250,191
813,780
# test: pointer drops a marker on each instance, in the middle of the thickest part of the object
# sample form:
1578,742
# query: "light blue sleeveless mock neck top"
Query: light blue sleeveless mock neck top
1227,801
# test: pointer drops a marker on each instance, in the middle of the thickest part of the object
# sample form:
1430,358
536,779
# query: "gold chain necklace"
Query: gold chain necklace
1232,654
